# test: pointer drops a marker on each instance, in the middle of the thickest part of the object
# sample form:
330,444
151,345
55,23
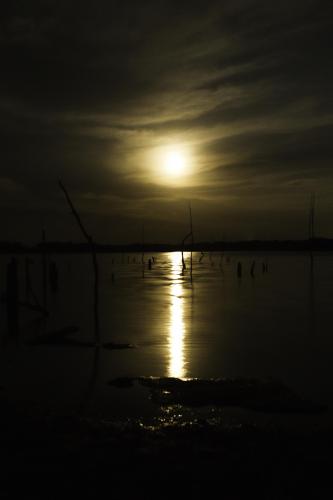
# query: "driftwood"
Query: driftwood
114,345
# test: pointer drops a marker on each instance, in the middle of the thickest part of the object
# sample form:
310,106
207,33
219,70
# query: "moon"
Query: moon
174,163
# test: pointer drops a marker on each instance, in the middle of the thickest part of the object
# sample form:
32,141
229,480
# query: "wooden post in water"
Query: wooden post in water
27,279
183,243
311,226
12,296
192,240
53,277
44,269
239,270
183,260
94,259
143,251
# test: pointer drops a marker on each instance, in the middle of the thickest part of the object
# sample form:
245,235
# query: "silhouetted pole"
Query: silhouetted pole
27,278
94,258
183,260
192,239
44,270
183,243
311,226
221,263
53,277
29,292
143,251
12,292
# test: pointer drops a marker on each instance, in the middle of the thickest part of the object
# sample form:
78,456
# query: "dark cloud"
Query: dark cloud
88,88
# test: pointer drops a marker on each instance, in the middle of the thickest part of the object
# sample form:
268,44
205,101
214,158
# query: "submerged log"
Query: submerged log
114,345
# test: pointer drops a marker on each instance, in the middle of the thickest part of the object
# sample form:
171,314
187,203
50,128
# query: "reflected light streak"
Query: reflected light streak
177,323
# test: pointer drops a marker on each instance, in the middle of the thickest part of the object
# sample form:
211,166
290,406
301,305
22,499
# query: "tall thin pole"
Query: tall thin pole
312,217
190,234
44,270
192,240
312,226
143,251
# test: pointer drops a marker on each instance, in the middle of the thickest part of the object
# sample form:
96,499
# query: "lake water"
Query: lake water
275,324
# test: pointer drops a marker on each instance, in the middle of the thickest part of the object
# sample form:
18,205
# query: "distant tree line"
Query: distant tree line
315,244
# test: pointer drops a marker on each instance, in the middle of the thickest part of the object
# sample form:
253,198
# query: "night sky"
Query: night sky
97,92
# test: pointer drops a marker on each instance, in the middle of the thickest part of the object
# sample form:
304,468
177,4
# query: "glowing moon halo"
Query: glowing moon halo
174,164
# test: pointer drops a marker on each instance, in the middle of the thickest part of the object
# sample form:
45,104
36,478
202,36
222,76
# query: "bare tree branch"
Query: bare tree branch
94,258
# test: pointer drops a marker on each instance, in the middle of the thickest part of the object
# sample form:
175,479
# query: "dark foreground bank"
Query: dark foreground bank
50,457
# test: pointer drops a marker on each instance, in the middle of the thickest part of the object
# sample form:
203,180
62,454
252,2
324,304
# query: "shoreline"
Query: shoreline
57,247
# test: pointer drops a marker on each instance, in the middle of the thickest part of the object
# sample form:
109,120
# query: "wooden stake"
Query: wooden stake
12,298
143,251
44,269
192,240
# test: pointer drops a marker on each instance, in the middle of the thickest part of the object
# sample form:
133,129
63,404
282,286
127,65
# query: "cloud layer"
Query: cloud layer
88,90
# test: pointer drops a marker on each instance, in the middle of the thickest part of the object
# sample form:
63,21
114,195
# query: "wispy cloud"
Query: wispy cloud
87,91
